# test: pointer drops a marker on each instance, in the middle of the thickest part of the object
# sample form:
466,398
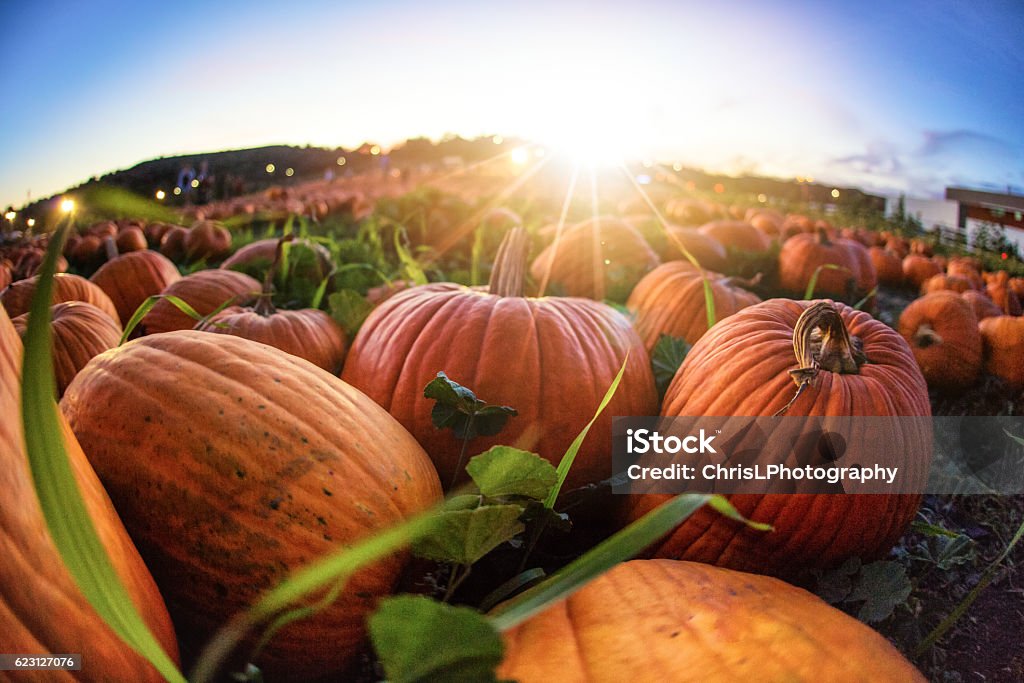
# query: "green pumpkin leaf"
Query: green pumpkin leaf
666,357
464,536
881,586
419,639
457,408
349,309
506,471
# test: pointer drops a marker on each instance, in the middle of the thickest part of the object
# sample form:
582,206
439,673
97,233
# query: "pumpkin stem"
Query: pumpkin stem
509,273
925,336
822,342
823,237
745,282
265,303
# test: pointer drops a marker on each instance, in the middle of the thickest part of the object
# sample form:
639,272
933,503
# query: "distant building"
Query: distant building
964,211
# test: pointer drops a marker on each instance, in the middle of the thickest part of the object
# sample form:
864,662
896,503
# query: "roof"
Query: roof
993,200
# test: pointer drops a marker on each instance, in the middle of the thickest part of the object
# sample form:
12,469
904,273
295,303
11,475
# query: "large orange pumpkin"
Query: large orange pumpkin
80,331
1003,338
205,291
671,300
805,254
942,331
42,610
132,278
17,298
234,463
550,358
676,622
600,258
741,367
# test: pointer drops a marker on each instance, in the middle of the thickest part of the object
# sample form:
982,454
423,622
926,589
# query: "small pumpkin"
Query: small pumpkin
737,235
808,253
207,240
918,269
172,243
998,288
981,304
741,367
80,332
1003,338
227,483
255,258
130,239
941,282
131,278
942,331
659,620
17,298
888,266
600,258
205,291
708,251
671,300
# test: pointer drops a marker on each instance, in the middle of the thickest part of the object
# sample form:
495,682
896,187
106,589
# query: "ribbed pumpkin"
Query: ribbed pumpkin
742,368
707,250
981,304
670,300
939,283
682,622
207,240
17,298
807,253
1003,338
942,331
737,235
308,333
888,266
600,258
80,331
205,291
131,278
42,611
917,269
550,358
232,464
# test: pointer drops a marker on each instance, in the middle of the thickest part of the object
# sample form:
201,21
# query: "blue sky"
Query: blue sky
890,96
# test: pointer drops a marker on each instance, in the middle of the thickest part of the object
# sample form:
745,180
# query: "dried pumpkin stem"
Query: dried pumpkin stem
509,273
925,336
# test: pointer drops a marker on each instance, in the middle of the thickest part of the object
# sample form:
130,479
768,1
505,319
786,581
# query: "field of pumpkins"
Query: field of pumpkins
365,434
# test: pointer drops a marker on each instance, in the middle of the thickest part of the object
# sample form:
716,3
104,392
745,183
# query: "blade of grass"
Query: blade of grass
813,282
182,305
874,290
64,509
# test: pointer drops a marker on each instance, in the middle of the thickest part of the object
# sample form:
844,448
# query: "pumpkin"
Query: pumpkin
1003,338
808,253
308,333
671,300
981,304
6,276
918,269
688,211
172,243
888,266
942,331
920,247
17,298
234,463
42,610
965,269
1016,285
741,367
205,291
80,331
207,241
900,246
510,350
708,251
87,252
313,265
130,239
131,278
600,258
659,620
155,232
1002,294
938,283
737,235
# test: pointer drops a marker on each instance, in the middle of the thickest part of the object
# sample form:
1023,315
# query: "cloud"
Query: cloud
962,143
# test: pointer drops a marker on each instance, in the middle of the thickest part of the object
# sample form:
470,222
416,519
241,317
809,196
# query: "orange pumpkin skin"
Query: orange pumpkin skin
888,266
737,235
42,610
981,304
228,482
80,331
708,251
131,278
205,291
207,240
810,530
17,298
130,239
172,243
942,331
682,622
1002,294
310,333
917,269
256,257
939,283
803,255
968,269
600,258
670,300
1003,338
510,350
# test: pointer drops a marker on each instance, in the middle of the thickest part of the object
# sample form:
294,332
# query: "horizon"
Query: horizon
908,99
